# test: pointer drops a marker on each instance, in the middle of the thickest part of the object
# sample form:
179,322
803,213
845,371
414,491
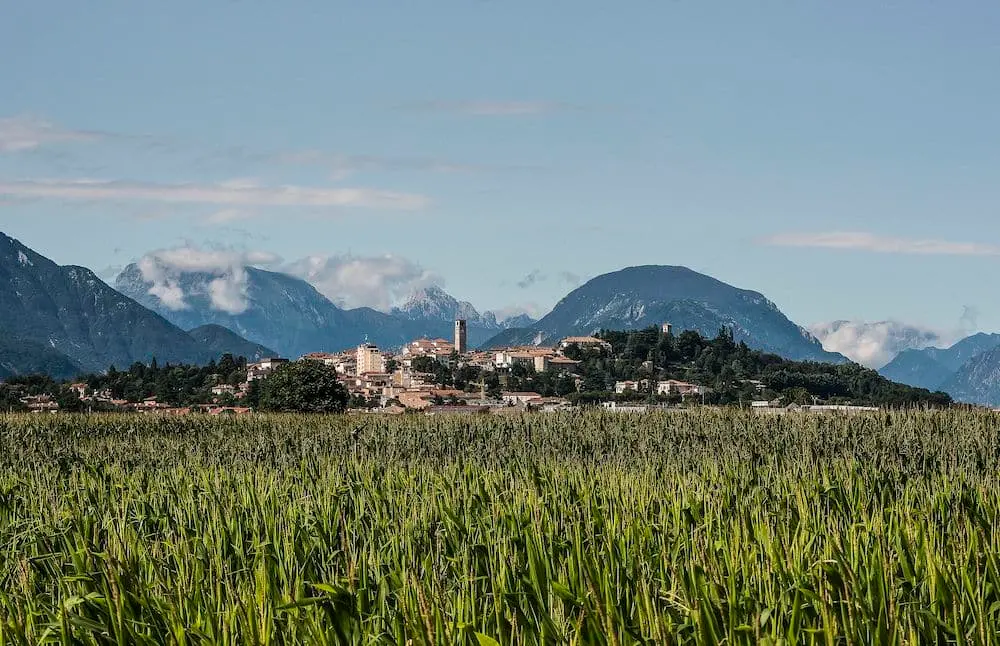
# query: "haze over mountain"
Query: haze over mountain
65,318
638,297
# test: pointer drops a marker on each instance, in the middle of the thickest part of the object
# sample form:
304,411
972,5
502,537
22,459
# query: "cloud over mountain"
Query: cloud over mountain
227,289
363,281
876,344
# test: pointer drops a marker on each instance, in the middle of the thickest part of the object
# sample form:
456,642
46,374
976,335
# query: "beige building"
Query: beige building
370,359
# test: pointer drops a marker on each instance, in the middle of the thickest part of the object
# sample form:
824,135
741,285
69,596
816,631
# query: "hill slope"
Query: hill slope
978,380
71,311
20,357
218,341
916,368
638,297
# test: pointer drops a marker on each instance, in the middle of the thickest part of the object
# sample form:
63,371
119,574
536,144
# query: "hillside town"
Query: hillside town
421,377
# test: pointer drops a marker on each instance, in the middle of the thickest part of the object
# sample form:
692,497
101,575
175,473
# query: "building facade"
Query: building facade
370,359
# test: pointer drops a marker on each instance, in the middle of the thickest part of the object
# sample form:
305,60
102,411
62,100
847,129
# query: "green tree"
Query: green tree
304,387
10,400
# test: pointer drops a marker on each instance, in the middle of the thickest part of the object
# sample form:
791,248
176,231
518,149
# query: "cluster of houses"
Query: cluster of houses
393,383
667,387
103,400
396,383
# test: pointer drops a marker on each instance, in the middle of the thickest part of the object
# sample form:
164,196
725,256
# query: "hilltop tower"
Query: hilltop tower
461,336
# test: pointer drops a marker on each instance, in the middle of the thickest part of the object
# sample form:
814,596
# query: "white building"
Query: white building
623,408
621,387
515,398
509,358
674,387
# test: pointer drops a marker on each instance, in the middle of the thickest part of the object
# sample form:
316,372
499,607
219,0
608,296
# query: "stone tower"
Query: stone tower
461,336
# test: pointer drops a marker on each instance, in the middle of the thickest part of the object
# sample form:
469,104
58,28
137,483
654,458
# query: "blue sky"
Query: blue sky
842,158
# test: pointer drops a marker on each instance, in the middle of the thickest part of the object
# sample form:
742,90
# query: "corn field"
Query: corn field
702,527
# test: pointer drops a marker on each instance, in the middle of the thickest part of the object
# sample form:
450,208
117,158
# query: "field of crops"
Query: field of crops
701,527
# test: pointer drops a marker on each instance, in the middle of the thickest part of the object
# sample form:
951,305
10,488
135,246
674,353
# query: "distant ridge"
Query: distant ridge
966,370
638,297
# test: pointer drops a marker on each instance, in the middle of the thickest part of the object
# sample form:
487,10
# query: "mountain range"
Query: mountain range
638,297
288,314
959,370
64,320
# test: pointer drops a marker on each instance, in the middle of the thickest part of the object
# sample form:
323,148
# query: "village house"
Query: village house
483,361
326,358
584,343
557,363
150,404
223,389
261,369
674,387
81,390
507,359
517,398
437,348
624,408
622,387
40,404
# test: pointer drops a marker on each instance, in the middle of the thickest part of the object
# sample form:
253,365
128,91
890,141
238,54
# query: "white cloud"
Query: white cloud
165,269
355,281
235,193
861,241
876,344
492,108
26,132
343,165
